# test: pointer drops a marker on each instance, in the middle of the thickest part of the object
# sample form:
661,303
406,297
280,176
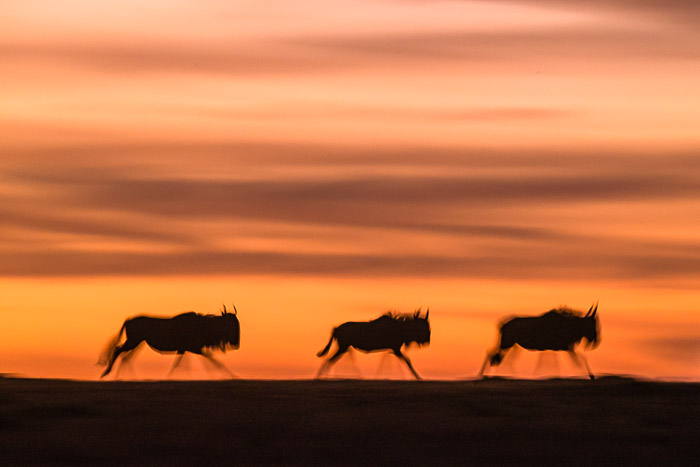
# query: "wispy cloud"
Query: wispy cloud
478,219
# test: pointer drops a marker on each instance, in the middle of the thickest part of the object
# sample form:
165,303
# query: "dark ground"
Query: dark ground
611,420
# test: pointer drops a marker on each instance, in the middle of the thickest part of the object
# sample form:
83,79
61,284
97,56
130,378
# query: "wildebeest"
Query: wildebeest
186,332
388,332
558,329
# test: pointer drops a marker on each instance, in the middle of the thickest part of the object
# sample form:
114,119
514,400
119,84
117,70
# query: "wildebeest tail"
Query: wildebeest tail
106,354
327,347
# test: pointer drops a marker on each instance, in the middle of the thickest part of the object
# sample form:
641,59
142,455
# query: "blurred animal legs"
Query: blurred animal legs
176,362
483,365
577,361
217,363
124,362
353,363
325,366
124,348
544,356
382,363
407,361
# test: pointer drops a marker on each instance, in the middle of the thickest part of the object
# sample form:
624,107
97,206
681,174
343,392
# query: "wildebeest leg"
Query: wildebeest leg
353,363
124,361
382,363
176,362
125,347
483,365
217,363
328,363
398,353
544,356
493,358
539,363
577,360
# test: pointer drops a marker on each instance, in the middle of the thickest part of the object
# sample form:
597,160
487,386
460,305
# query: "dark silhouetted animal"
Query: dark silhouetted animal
388,332
558,329
186,332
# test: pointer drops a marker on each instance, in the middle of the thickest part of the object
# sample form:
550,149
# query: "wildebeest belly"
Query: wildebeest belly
367,337
536,334
165,335
544,343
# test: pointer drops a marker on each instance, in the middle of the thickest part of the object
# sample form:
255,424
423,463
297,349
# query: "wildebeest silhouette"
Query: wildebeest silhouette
558,329
186,332
390,331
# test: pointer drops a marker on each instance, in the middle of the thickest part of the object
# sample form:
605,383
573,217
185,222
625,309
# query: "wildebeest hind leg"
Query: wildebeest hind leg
488,357
126,357
325,366
126,347
407,361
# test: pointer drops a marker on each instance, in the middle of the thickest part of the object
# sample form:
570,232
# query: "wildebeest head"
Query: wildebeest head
417,329
591,327
229,329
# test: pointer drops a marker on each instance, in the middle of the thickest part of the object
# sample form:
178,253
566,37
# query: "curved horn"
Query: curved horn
417,313
589,311
427,313
235,312
224,311
595,310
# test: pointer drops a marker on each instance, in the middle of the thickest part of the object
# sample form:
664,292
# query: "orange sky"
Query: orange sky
323,162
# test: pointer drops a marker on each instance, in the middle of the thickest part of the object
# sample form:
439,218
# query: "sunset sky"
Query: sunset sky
325,161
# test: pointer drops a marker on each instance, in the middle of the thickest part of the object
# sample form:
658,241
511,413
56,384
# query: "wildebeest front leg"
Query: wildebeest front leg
217,363
177,361
401,356
577,360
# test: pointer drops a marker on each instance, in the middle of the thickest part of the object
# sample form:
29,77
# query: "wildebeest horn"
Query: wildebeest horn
427,313
589,311
224,312
235,312
417,313
595,310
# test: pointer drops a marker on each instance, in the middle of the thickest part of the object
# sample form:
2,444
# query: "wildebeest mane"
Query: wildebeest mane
561,311
565,311
401,317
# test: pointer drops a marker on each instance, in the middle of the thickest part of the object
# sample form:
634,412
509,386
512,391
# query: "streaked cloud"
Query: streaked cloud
677,347
473,218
